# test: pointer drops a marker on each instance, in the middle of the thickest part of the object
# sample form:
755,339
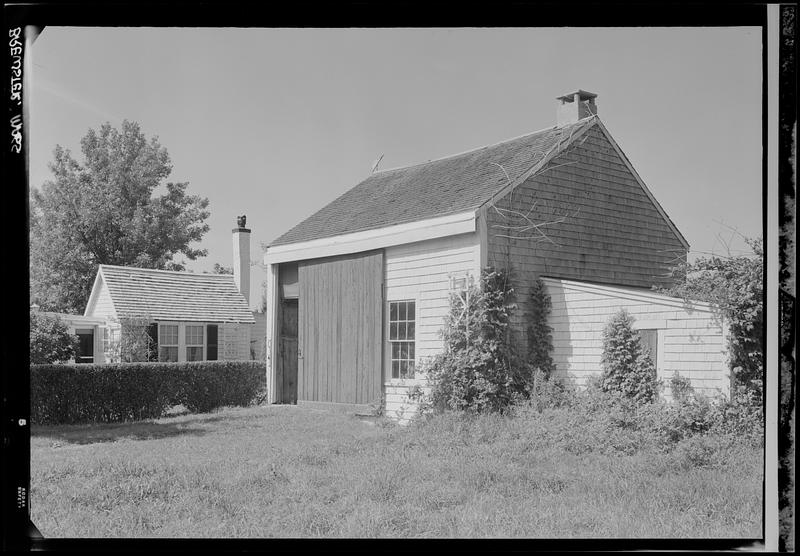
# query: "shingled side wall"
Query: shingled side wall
611,232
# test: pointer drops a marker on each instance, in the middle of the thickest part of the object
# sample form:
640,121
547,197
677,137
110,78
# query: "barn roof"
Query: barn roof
450,185
180,296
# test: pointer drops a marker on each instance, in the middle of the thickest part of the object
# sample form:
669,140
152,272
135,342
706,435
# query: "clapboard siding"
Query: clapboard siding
611,233
340,329
422,272
691,340
102,305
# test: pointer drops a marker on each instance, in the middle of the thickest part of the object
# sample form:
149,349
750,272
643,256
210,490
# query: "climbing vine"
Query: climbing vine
540,333
480,369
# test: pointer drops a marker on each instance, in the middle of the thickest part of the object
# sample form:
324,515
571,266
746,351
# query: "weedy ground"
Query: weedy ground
284,471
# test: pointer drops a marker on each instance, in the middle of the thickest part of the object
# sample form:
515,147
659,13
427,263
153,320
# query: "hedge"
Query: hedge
70,394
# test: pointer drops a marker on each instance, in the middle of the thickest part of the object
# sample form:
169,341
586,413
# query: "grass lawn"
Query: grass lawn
284,471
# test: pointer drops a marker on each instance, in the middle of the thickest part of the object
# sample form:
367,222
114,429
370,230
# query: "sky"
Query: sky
276,123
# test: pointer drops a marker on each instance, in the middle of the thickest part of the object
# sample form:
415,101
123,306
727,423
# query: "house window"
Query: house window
194,342
402,332
106,340
168,342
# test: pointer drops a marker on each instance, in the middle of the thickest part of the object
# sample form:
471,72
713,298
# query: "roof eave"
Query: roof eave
388,236
554,151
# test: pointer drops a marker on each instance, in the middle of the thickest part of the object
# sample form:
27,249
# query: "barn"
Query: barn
358,292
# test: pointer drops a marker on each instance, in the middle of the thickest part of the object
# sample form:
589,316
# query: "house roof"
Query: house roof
449,185
168,295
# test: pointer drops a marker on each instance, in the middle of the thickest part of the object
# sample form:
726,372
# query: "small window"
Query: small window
649,340
106,340
168,342
402,333
194,342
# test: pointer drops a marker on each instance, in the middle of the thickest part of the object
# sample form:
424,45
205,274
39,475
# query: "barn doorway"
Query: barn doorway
288,345
340,330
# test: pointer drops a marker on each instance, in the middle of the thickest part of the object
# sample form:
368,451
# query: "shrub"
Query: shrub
479,370
734,285
205,387
50,340
681,388
626,368
551,391
68,394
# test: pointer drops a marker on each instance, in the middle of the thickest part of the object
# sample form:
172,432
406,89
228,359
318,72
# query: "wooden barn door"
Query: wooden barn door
340,332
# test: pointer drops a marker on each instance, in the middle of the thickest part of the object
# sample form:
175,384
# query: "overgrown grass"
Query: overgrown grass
291,472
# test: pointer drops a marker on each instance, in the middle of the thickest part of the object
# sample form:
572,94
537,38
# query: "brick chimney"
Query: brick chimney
575,106
241,257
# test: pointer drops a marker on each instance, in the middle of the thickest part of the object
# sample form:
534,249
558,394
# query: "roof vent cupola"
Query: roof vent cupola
575,106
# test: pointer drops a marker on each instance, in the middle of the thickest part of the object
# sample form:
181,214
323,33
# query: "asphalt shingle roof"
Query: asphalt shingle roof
182,296
437,188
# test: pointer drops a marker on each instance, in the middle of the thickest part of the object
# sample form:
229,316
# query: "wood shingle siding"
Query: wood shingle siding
611,232
691,339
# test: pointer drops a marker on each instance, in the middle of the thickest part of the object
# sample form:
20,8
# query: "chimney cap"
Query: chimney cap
241,222
583,95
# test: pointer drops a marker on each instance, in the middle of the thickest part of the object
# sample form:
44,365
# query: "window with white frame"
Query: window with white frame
402,334
194,342
168,342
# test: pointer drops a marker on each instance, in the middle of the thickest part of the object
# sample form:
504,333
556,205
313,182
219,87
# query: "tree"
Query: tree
219,269
627,368
734,286
103,211
480,370
51,341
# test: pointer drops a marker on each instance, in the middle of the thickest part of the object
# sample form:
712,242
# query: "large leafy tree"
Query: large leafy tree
103,211
51,341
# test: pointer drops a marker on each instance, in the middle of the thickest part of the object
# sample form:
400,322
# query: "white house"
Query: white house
358,292
188,316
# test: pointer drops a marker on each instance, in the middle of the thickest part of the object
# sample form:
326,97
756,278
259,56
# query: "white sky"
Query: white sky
276,123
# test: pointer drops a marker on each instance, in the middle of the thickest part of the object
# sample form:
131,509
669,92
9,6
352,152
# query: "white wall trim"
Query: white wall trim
272,331
367,240
633,294
657,324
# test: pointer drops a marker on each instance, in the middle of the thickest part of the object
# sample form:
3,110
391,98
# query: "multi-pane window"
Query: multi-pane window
402,324
194,342
167,342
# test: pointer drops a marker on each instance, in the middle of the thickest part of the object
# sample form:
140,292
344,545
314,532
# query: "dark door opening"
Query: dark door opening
86,348
288,343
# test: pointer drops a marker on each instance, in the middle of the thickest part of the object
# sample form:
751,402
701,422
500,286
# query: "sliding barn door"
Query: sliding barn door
340,332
